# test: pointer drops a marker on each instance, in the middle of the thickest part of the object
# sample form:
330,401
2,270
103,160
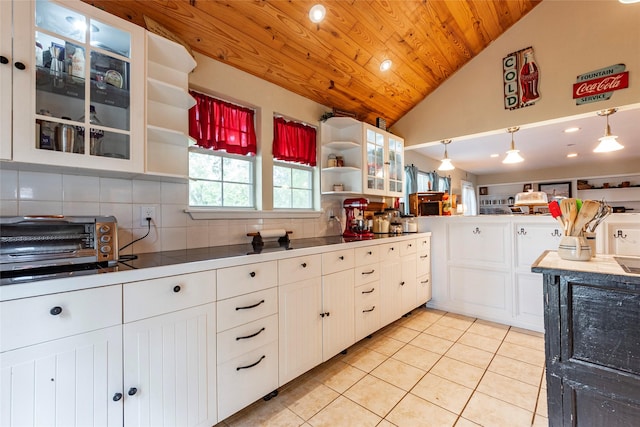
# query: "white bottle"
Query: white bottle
77,65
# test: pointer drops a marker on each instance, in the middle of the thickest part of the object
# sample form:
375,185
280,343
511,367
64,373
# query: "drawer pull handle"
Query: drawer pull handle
392,248
252,274
176,288
132,391
402,283
409,245
304,265
250,306
250,336
4,60
425,281
369,272
370,310
341,258
424,256
252,365
117,397
369,291
55,311
369,253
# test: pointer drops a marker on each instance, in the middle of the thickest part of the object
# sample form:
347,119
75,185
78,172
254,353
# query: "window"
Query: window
292,186
220,180
468,198
424,182
221,164
294,152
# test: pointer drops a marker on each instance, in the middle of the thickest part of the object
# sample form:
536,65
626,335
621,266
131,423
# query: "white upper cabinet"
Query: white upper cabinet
78,99
358,158
6,70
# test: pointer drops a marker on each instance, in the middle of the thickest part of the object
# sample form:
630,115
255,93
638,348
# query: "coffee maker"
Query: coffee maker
356,224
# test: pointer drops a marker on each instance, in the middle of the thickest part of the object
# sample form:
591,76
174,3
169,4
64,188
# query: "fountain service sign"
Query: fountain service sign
599,85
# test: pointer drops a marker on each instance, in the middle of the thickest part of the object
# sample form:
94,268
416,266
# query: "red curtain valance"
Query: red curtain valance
294,142
220,125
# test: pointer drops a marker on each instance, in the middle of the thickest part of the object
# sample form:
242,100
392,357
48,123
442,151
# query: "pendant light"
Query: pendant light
608,142
446,164
513,155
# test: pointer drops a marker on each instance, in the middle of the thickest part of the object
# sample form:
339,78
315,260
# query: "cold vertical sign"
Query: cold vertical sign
521,77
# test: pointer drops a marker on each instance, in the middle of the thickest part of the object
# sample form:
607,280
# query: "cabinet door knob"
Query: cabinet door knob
176,288
55,310
341,258
252,274
401,283
4,60
304,265
132,391
369,253
19,65
117,397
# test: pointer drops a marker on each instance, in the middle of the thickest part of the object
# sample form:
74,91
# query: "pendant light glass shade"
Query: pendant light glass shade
513,155
608,142
446,164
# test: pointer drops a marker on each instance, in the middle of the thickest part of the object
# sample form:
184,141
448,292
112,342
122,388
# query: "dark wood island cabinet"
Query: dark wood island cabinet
592,341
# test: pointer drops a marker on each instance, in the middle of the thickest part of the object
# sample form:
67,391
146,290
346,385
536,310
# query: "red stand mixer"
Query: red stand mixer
356,225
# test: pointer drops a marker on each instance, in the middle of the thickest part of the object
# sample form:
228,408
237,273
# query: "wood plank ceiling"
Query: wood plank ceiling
337,62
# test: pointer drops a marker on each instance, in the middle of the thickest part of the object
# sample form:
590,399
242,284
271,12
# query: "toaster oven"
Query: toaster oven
30,242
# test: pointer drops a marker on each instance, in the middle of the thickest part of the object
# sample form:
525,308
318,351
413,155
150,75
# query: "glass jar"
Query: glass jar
380,223
409,224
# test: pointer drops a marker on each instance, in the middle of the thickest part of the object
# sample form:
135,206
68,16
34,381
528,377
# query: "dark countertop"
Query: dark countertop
167,258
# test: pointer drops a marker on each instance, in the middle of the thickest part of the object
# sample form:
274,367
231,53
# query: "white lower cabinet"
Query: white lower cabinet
423,285
169,369
390,279
367,303
61,359
73,381
338,321
300,328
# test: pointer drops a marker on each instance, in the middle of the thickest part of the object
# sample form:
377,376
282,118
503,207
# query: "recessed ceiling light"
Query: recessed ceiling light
495,155
571,130
572,155
628,1
317,13
385,65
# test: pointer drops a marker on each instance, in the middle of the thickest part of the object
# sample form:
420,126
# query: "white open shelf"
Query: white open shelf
342,145
341,169
167,136
169,94
164,51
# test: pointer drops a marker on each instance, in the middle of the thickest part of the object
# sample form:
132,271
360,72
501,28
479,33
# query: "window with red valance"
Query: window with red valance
220,125
294,142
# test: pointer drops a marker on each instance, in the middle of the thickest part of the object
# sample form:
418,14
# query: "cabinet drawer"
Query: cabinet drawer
243,279
424,263
332,262
300,268
424,243
34,320
367,310
408,247
389,251
246,308
367,255
366,274
247,378
150,298
245,338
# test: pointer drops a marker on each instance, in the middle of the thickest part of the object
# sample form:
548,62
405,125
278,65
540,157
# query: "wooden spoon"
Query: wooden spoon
565,207
586,214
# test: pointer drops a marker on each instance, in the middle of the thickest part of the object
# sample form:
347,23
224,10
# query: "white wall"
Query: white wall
569,38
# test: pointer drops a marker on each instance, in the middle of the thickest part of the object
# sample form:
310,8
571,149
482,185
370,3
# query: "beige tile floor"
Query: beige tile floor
428,369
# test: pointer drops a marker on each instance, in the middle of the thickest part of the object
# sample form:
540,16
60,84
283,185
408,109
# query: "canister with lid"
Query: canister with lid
409,224
380,223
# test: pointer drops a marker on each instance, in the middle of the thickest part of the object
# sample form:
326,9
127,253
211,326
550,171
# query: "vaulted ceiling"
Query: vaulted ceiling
337,62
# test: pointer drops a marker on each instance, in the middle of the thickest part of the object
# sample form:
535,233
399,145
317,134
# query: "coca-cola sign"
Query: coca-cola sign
521,79
599,85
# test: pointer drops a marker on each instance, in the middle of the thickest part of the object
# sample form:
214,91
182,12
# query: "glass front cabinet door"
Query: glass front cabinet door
383,157
79,102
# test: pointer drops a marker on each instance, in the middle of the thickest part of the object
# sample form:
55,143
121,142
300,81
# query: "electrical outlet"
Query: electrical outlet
147,212
329,214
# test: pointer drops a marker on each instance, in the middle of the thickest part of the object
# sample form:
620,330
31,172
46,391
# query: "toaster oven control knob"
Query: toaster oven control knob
105,249
104,228
105,239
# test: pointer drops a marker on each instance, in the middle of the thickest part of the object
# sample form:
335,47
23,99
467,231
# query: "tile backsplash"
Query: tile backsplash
37,193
